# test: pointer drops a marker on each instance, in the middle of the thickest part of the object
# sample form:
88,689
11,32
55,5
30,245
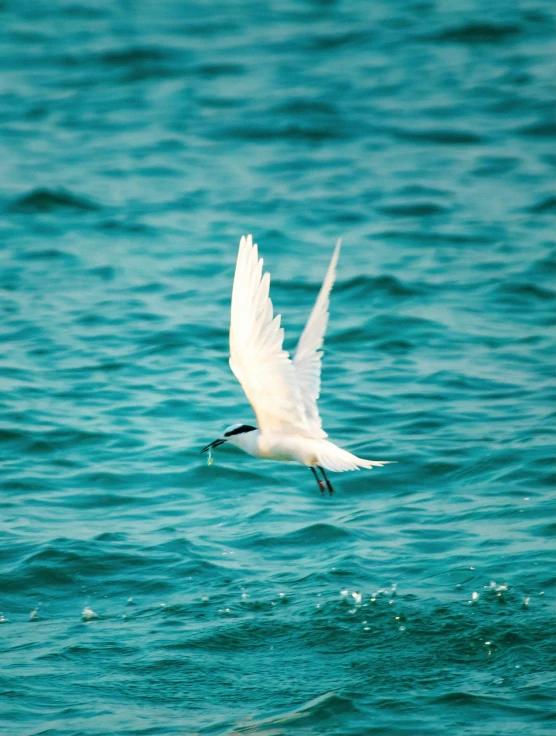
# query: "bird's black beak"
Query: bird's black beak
213,444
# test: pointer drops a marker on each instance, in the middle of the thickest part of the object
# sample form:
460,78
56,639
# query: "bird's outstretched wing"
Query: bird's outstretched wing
257,358
307,359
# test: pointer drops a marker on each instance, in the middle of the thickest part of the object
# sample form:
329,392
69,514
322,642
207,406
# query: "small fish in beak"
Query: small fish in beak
210,447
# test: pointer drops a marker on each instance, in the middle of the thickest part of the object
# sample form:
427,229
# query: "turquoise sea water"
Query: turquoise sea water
142,592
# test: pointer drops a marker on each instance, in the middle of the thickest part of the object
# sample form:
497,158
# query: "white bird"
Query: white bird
283,392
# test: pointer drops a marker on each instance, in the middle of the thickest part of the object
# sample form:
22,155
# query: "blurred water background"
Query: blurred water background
143,592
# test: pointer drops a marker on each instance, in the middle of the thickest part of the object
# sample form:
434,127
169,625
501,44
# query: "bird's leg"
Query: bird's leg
320,482
328,483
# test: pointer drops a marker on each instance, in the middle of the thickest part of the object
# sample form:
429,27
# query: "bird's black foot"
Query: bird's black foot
328,483
320,482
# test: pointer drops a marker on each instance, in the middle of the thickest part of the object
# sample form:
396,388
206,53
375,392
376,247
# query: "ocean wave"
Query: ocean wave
51,201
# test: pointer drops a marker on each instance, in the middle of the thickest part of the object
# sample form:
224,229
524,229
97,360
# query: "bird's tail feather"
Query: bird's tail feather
332,457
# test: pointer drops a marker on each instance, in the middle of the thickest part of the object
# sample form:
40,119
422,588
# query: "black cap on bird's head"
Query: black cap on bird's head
229,432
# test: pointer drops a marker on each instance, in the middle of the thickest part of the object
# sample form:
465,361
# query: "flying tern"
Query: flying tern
282,391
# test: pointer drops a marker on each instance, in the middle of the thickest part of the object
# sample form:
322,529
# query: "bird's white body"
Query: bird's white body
293,448
282,391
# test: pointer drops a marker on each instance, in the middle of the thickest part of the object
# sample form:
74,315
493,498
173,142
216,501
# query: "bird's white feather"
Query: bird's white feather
257,357
308,355
332,457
